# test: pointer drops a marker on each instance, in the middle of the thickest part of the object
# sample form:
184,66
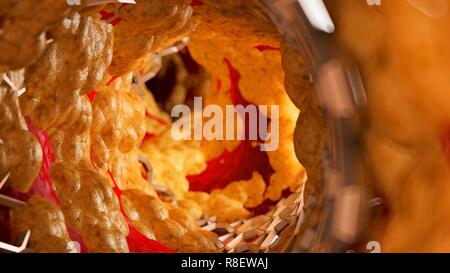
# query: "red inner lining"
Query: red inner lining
137,242
263,48
42,185
238,164
197,3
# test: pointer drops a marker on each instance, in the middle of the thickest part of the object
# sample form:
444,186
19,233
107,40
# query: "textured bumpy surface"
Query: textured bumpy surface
45,221
229,179
90,207
23,24
94,162
120,134
90,145
107,173
247,63
74,64
179,232
144,28
20,153
310,131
